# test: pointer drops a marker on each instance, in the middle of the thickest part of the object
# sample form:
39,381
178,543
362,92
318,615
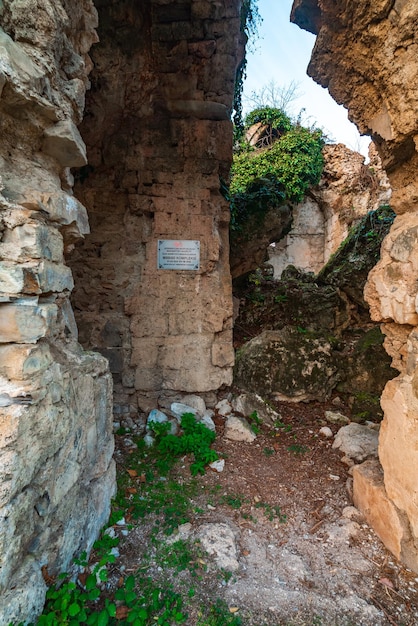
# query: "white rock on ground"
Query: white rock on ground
224,407
334,417
208,421
358,442
237,429
178,409
157,416
325,431
246,403
195,402
218,466
219,540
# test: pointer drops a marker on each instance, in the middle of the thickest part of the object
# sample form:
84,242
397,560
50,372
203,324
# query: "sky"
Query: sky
281,54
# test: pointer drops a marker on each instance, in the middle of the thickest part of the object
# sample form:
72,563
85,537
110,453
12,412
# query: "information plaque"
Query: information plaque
178,255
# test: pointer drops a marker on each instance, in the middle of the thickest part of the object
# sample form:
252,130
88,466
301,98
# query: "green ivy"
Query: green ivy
294,162
283,172
276,118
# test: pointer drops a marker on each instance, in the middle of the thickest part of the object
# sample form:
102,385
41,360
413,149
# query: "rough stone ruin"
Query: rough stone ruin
56,443
348,189
365,55
148,143
159,136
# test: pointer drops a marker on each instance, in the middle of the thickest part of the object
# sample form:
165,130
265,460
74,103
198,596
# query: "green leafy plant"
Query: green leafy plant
218,615
160,429
293,162
234,501
272,512
255,422
264,179
279,425
181,555
268,451
280,298
196,439
70,603
271,116
297,449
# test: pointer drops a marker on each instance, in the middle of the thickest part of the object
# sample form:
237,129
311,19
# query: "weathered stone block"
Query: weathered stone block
20,362
371,499
63,142
25,323
54,277
12,278
223,354
145,351
148,379
33,240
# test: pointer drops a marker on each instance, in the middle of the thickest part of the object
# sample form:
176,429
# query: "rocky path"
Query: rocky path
282,543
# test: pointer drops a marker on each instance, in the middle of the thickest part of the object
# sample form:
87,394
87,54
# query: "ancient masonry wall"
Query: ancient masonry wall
365,54
56,444
159,139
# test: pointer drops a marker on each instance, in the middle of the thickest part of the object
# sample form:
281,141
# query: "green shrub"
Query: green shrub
283,172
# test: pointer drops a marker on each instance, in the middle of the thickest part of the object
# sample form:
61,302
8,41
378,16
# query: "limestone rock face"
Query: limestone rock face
56,443
391,290
365,53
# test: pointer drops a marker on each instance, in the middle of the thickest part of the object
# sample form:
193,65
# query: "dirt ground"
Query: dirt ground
305,555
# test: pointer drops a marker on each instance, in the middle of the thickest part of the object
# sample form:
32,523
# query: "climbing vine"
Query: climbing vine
282,171
250,19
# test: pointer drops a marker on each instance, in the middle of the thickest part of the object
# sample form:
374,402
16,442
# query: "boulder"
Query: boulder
291,364
358,442
237,429
247,403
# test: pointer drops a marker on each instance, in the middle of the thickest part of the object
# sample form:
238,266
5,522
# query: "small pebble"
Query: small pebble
218,466
326,431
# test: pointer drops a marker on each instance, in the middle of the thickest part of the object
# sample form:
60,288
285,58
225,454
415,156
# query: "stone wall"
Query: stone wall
159,138
365,53
56,471
348,189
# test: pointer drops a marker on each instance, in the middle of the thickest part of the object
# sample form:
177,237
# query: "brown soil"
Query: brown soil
319,565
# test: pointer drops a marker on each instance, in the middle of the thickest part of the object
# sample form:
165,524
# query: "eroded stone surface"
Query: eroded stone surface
365,55
347,190
287,365
56,470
